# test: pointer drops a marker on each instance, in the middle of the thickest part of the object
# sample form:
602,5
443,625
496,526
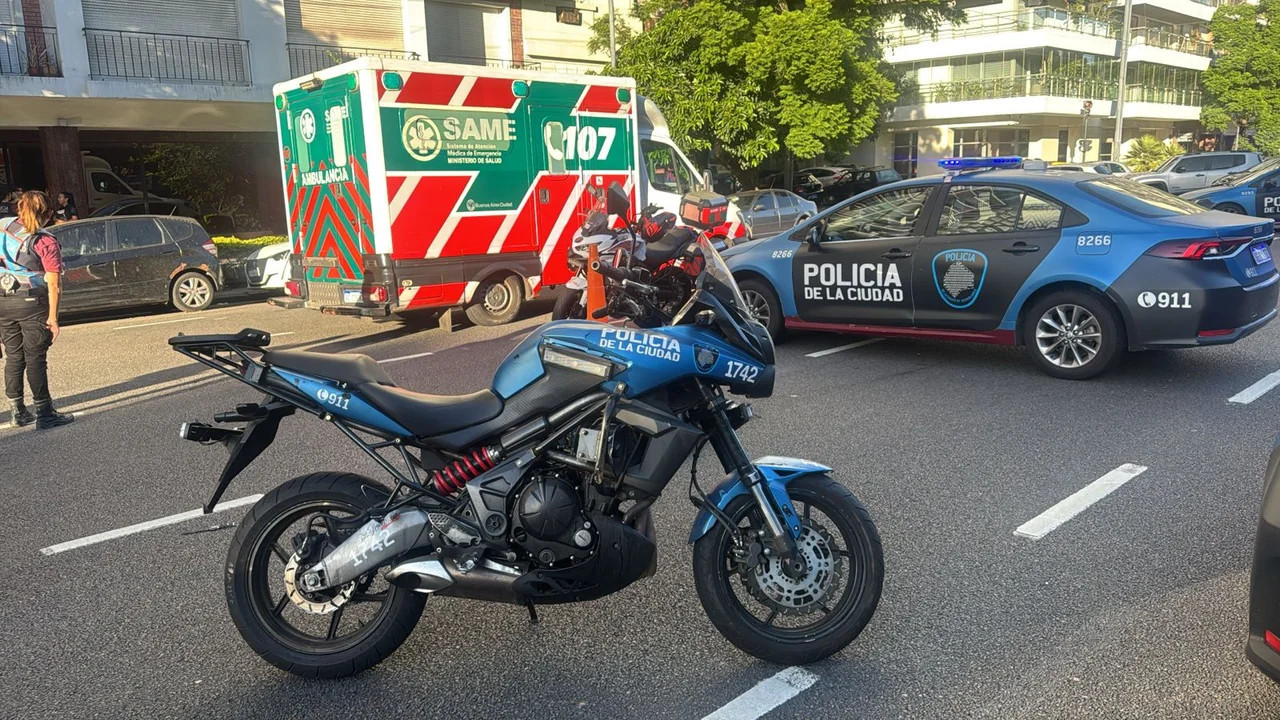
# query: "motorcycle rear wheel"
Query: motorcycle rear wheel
332,634
778,619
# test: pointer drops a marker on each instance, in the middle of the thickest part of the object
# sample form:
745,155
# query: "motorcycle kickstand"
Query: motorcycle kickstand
533,612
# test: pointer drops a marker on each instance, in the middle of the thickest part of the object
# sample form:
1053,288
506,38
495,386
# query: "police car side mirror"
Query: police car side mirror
817,233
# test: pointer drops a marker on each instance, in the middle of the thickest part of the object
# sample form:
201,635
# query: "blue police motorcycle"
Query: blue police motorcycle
539,489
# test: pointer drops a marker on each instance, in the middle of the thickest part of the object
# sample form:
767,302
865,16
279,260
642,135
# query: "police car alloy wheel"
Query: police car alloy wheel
763,305
1073,334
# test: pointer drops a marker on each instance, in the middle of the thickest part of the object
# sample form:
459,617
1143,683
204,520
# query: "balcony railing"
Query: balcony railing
1044,84
1017,21
305,59
1007,87
487,62
1166,96
1170,41
29,51
120,54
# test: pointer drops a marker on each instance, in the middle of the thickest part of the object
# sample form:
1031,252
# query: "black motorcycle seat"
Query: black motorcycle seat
353,369
672,243
425,415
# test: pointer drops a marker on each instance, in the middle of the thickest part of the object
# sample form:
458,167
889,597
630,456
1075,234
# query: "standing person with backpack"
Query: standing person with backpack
30,290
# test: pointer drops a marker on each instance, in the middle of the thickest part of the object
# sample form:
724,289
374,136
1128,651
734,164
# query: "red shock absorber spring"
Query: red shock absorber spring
453,477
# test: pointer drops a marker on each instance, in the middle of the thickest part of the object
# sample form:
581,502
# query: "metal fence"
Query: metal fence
305,59
1170,41
488,62
1044,84
1016,21
120,54
29,51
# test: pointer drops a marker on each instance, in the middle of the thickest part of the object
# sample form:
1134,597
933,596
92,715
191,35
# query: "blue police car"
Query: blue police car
1255,191
1078,267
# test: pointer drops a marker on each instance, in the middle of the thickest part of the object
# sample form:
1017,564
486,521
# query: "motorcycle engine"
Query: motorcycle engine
548,521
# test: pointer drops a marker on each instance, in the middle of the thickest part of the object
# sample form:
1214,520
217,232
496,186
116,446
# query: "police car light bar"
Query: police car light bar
973,163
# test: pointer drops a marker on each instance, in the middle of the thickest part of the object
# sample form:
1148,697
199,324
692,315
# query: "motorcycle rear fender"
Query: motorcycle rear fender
247,445
778,472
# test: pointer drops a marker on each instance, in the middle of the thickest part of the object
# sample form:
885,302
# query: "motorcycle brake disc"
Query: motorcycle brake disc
773,588
315,603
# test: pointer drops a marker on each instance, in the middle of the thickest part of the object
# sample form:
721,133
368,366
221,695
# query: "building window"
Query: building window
990,142
568,15
906,153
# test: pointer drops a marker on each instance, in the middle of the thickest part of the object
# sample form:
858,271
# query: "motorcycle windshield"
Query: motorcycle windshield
714,278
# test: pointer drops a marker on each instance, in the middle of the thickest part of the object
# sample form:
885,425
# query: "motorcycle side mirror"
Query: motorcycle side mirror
617,201
817,233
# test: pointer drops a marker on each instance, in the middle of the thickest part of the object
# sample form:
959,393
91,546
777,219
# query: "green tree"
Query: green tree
207,175
1243,83
749,78
1149,152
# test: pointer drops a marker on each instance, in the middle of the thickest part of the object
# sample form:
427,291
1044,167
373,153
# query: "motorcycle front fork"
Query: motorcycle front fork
733,457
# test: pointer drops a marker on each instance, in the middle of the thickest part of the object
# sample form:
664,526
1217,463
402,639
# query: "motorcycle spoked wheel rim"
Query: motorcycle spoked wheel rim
271,552
853,558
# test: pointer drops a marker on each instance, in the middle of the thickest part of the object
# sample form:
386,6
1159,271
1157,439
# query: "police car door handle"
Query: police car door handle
896,254
1020,247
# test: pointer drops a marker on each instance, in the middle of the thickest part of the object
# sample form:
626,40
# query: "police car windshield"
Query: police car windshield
1138,198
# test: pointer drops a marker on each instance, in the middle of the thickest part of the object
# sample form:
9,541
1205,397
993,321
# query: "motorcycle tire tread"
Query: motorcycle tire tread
717,598
397,625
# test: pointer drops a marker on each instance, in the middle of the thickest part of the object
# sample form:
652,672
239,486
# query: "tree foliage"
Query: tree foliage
748,78
206,175
1149,152
1243,83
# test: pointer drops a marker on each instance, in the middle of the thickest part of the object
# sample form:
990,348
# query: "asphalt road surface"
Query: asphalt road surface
1133,608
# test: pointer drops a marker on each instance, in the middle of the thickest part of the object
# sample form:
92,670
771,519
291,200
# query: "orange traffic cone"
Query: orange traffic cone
595,285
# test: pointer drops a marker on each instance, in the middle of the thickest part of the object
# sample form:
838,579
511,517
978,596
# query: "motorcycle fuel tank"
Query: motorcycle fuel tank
651,358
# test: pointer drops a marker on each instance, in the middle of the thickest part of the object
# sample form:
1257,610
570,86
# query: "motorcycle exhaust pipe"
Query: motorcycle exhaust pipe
487,581
376,541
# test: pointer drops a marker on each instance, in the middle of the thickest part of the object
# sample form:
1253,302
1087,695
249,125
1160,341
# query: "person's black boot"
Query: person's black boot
20,415
47,417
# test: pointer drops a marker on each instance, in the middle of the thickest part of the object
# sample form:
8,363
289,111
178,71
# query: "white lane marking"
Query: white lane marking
1256,390
842,348
144,526
405,357
766,695
1079,501
283,334
162,322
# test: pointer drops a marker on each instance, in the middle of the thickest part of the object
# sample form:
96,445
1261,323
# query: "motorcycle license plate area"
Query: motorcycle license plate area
1261,254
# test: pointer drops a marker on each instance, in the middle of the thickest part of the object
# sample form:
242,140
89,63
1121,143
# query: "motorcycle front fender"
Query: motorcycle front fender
778,472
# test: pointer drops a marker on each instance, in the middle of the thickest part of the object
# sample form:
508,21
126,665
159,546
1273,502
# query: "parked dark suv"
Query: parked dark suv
137,260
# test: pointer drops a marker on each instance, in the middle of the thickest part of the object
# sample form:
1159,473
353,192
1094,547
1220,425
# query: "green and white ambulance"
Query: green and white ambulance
416,185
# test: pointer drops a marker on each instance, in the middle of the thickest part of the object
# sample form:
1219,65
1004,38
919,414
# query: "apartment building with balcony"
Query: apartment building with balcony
103,76
1013,79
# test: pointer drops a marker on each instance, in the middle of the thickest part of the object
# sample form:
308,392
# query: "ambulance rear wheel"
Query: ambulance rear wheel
497,301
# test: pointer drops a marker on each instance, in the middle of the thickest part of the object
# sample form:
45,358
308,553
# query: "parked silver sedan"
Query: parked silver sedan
769,212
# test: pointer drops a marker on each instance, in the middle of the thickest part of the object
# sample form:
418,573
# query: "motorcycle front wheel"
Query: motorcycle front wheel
569,306
326,634
782,619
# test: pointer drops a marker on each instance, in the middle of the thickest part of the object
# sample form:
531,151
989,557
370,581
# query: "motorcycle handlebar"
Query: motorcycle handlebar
611,272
